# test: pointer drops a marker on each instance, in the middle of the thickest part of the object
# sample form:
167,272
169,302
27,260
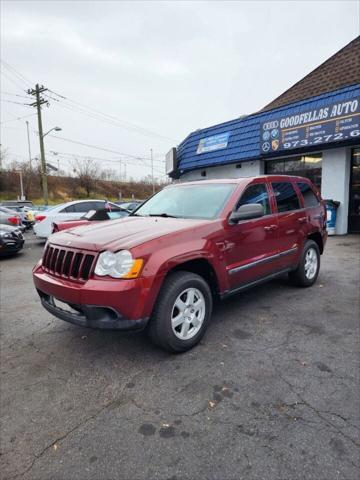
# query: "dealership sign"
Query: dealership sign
331,123
216,142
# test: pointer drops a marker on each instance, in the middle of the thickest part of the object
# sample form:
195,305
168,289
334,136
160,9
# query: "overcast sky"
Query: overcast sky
166,67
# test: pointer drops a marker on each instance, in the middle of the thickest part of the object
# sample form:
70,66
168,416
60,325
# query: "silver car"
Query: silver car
10,217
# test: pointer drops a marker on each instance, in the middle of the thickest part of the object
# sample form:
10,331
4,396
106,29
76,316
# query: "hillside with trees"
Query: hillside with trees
88,180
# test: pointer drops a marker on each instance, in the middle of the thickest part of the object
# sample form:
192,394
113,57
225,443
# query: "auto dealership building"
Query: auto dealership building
312,130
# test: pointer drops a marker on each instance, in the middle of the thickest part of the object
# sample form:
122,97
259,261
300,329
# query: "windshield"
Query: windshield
188,201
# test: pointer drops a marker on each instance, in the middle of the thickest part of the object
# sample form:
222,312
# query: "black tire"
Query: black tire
160,328
298,276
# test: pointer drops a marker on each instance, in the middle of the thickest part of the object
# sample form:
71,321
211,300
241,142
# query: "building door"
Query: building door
354,198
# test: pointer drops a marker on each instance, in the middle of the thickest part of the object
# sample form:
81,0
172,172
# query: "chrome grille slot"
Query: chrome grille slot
68,263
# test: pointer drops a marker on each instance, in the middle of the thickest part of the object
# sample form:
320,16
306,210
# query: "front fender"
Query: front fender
162,261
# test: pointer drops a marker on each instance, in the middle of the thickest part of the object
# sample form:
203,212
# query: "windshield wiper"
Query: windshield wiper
165,215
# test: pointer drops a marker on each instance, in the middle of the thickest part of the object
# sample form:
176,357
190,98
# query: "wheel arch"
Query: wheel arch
201,267
317,238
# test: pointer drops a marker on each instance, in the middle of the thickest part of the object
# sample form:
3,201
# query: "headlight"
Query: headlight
5,235
118,265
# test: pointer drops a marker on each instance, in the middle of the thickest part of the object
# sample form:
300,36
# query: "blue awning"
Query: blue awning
244,135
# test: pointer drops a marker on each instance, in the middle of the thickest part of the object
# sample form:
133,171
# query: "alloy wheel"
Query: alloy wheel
188,313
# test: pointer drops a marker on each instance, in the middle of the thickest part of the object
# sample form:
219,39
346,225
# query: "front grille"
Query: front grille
68,263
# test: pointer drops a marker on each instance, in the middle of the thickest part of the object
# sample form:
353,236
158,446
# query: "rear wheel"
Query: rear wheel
182,312
309,266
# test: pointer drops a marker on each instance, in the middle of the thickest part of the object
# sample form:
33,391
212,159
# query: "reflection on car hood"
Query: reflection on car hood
123,233
8,228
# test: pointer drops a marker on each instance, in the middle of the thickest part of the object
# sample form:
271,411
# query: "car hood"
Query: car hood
8,228
123,233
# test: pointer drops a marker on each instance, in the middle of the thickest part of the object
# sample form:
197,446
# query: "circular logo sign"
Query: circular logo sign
274,133
266,146
266,135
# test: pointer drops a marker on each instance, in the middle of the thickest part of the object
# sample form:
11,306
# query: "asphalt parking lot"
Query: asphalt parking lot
271,392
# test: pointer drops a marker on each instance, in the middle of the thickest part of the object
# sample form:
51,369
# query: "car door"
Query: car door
292,222
252,244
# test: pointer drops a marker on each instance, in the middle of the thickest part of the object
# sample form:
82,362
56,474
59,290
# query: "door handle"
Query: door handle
302,219
269,228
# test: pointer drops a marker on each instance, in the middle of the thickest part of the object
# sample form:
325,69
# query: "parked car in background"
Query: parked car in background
27,216
162,266
130,205
67,211
42,208
17,203
11,240
91,216
9,217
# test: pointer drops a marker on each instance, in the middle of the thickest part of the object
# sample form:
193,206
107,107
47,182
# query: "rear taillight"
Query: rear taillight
14,220
39,218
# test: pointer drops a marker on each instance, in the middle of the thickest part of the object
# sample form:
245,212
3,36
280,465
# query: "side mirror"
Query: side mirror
247,212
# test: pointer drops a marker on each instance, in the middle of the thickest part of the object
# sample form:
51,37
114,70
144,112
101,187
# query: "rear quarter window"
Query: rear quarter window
310,199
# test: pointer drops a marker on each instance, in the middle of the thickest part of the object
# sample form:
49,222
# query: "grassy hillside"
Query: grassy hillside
63,189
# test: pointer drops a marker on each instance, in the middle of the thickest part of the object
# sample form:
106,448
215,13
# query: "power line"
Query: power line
85,109
16,73
18,103
14,82
103,116
17,118
13,94
142,159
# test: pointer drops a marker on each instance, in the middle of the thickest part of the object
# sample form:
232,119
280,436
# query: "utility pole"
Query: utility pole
152,170
28,137
40,101
120,170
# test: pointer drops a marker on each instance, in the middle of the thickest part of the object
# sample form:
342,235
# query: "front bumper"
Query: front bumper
92,316
98,303
9,246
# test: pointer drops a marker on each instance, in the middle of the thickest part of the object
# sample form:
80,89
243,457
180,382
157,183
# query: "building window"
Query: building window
308,166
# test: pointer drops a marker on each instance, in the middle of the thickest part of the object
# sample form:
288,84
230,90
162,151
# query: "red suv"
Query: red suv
161,267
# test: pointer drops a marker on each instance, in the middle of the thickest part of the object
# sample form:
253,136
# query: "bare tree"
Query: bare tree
87,171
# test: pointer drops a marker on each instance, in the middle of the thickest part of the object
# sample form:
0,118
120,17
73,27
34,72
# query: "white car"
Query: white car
66,211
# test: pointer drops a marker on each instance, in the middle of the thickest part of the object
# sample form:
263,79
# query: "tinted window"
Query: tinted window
69,209
286,197
256,194
84,207
97,205
310,199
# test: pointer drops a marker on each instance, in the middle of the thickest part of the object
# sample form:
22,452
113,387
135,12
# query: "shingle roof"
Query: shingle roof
342,69
244,140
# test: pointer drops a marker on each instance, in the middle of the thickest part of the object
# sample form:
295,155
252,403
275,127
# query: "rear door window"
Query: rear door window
256,193
84,207
68,209
310,199
286,197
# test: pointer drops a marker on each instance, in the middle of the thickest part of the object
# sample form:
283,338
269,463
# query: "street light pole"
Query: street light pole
21,185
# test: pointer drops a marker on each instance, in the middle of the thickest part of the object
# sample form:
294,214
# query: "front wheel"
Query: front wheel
182,312
309,266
